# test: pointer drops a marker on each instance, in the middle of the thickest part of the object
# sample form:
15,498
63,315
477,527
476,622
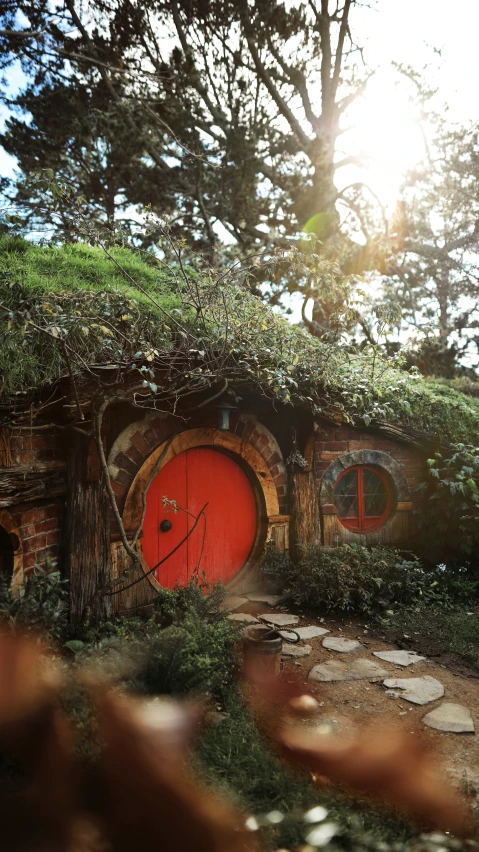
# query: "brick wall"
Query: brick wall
38,520
30,447
40,529
332,441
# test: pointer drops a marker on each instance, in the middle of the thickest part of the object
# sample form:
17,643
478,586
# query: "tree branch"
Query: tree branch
339,50
265,77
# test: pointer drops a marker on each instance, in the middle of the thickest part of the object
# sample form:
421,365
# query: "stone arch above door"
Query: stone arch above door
375,458
135,444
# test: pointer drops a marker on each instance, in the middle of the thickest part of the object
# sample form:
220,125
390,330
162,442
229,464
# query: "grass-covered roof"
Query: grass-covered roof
197,328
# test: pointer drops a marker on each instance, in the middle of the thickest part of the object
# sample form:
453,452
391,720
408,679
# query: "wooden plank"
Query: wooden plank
31,482
305,527
396,531
87,536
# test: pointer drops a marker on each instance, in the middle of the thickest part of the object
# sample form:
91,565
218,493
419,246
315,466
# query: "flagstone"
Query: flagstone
339,670
264,597
454,718
417,690
279,619
243,616
296,650
342,645
233,602
399,658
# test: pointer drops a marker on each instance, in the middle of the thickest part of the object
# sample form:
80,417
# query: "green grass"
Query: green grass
264,351
441,630
77,266
237,761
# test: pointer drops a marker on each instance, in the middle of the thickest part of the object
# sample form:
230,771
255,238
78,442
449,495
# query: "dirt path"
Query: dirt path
348,705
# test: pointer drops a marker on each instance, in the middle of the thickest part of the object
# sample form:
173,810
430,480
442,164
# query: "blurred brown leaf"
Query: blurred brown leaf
135,794
394,767
38,813
144,795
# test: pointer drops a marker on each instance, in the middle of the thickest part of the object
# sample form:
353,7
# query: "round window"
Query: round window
362,496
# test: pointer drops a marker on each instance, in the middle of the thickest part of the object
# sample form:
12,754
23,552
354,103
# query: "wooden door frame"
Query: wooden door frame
250,461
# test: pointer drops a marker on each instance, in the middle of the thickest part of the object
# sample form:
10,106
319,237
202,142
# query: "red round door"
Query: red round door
222,540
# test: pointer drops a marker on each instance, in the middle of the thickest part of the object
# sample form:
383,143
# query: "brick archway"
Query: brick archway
397,527
138,441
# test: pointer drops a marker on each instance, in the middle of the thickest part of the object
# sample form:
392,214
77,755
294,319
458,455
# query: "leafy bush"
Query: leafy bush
355,579
39,605
449,519
188,645
195,651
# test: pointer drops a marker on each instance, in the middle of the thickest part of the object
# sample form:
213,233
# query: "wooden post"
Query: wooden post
87,531
305,526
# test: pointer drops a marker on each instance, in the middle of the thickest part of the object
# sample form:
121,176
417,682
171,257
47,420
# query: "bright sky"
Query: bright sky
405,31
410,32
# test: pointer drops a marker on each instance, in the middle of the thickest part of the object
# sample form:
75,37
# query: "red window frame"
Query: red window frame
366,523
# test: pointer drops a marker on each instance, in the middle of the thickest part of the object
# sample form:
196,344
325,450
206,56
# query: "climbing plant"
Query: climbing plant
449,517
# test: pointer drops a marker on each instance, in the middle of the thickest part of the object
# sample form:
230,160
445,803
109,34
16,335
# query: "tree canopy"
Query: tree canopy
227,120
225,117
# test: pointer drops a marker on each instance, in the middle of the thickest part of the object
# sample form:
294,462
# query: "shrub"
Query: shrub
355,579
40,604
196,651
188,645
449,518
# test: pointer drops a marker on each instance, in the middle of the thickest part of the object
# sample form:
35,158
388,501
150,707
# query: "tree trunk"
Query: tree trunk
87,538
305,526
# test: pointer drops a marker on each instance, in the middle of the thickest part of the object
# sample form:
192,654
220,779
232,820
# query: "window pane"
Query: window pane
375,494
346,495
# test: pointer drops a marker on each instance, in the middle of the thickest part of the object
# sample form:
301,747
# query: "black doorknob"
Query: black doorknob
165,525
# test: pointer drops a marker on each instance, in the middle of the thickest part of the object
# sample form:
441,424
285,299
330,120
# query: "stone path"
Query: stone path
344,666
279,619
310,632
263,597
296,650
417,690
400,658
337,670
243,617
233,602
450,717
343,646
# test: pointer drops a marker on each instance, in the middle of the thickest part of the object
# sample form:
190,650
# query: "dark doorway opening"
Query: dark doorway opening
6,555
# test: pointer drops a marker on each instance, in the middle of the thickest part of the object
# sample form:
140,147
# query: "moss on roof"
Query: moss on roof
90,302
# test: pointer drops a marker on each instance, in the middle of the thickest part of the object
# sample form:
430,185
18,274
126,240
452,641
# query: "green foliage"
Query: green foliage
449,518
39,605
234,757
438,630
362,580
80,296
196,652
187,646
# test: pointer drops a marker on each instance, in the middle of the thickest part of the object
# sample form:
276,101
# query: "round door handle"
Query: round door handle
165,525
